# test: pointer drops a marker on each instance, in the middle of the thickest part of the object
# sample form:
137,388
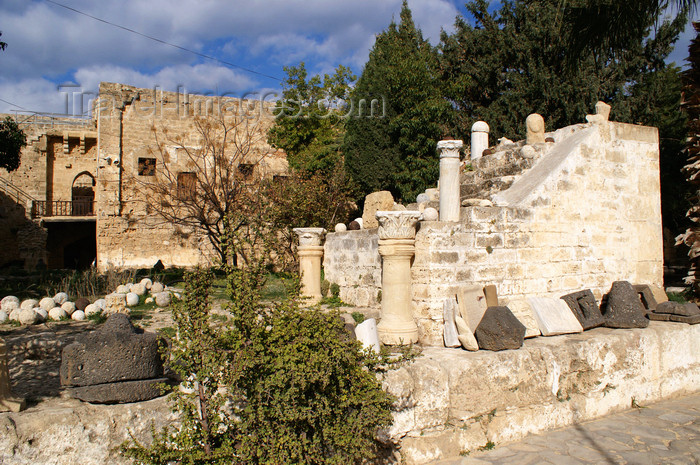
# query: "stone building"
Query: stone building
78,196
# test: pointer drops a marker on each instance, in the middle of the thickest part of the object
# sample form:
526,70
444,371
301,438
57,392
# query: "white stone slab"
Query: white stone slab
472,304
366,333
554,316
449,309
522,311
466,336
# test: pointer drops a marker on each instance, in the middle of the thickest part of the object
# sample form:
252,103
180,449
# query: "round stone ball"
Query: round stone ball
163,299
9,305
57,313
28,317
41,313
430,214
528,151
157,288
340,227
146,282
81,303
14,314
29,303
132,299
47,303
78,315
9,300
138,289
3,317
92,309
68,307
422,198
60,298
101,303
360,222
149,300
122,289
353,226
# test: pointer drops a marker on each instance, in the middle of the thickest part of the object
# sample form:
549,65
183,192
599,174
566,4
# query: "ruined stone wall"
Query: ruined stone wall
587,214
140,123
352,261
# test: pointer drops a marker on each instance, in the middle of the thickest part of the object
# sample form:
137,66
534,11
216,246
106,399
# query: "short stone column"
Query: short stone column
480,139
535,129
397,232
449,179
310,253
7,400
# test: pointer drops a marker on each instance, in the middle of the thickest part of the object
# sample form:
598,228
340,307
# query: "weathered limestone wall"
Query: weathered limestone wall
131,124
586,214
352,261
452,401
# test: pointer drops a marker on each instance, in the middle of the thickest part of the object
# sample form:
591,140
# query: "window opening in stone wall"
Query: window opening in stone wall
147,166
83,195
186,185
246,170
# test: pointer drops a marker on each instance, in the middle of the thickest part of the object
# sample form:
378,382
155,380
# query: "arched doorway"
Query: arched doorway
83,195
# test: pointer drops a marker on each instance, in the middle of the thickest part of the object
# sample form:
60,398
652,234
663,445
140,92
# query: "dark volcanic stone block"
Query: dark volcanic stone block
114,353
646,297
499,330
671,308
659,316
623,308
585,308
119,393
691,320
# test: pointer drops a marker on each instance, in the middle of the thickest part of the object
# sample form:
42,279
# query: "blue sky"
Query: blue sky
49,45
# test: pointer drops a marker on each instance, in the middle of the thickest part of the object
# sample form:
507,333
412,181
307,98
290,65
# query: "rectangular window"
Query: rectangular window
147,166
186,185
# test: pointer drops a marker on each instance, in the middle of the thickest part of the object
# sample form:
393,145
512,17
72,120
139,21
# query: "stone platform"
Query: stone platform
451,401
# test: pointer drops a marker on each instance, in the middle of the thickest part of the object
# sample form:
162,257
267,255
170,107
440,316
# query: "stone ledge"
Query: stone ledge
451,401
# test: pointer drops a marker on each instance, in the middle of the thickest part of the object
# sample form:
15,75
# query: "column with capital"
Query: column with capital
310,253
397,232
449,179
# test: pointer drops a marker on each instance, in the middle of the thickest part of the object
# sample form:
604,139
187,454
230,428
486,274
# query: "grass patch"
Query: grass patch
488,446
679,297
358,317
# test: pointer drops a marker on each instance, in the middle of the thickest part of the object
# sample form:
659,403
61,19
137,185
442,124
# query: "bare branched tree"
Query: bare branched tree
210,183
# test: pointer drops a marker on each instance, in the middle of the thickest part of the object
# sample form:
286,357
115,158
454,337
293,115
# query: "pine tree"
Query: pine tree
394,148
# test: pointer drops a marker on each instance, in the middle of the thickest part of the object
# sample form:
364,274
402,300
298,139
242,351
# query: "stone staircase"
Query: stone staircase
494,172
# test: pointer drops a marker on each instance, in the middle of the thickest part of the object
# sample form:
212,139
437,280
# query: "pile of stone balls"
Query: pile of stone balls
159,294
58,307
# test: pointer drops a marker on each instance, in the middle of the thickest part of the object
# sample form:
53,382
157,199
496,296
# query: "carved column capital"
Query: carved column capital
309,236
398,224
449,148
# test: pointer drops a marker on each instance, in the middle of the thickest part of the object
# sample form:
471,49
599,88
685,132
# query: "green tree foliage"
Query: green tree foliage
511,63
393,146
3,45
607,26
275,384
12,140
310,122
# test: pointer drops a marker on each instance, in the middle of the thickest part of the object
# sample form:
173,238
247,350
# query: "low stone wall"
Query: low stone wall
451,401
352,261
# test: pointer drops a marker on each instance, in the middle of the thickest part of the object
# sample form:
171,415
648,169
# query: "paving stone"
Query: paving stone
585,308
677,418
554,316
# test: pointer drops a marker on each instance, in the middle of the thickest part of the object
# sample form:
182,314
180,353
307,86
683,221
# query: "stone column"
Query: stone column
310,253
7,401
480,139
449,179
397,232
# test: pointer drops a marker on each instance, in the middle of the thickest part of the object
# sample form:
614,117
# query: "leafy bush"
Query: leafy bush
274,384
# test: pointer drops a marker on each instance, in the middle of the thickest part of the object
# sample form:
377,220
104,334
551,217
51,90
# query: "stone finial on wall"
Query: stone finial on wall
602,113
310,253
535,129
398,224
480,139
